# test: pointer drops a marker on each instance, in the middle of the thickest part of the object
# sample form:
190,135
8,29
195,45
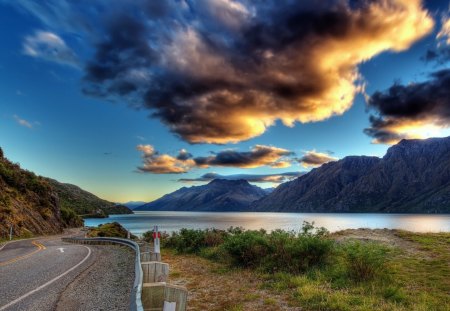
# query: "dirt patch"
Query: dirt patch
385,236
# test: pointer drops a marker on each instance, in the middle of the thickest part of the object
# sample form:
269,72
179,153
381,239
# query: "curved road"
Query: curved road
34,273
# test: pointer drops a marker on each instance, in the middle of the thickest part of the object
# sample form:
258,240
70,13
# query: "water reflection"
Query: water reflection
172,221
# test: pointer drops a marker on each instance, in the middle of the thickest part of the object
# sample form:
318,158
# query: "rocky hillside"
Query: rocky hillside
30,204
218,195
413,177
85,203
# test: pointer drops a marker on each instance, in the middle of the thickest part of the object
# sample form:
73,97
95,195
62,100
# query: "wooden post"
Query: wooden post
155,272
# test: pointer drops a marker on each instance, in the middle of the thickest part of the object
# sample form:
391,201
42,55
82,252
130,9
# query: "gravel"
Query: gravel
105,285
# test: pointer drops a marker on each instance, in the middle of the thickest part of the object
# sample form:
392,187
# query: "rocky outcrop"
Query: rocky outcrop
218,195
413,177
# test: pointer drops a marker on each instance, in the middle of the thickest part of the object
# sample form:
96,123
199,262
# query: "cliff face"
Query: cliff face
29,203
413,177
218,195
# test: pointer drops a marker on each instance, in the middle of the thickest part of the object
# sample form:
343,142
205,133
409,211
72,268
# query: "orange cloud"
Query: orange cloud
162,164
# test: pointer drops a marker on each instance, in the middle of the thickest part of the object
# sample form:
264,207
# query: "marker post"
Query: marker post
156,243
10,232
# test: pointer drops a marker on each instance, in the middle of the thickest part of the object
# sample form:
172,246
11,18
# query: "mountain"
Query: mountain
85,203
413,177
133,204
218,195
30,204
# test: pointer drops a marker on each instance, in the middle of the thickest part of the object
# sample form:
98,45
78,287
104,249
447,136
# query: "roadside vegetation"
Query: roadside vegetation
29,203
314,270
113,230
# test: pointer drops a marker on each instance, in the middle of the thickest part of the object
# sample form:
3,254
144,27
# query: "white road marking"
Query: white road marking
48,283
1,247
61,249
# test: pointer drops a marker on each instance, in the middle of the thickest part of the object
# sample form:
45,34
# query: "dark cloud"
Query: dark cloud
256,178
313,158
220,71
411,111
260,155
184,155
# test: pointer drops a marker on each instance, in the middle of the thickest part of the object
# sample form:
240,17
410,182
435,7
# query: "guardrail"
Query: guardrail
136,300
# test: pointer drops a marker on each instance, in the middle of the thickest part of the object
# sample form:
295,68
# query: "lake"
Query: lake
140,222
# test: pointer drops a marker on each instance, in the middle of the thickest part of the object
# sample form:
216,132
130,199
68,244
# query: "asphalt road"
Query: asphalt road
34,273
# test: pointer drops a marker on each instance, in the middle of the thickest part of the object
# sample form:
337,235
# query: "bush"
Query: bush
364,261
192,240
247,249
113,229
271,252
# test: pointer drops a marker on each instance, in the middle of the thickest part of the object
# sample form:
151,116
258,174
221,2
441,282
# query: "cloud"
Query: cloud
22,122
49,46
156,163
222,71
258,156
256,178
417,110
440,54
313,158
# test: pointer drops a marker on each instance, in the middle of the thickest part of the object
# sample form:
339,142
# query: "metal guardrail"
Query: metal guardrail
136,300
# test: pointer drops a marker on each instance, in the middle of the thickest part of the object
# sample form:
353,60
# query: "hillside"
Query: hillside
413,177
85,203
218,195
30,204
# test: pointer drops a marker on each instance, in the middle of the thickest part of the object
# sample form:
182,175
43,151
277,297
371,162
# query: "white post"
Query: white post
169,306
10,232
156,235
128,234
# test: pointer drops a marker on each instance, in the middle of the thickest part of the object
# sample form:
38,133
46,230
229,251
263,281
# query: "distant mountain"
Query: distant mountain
85,203
133,204
30,204
413,177
218,195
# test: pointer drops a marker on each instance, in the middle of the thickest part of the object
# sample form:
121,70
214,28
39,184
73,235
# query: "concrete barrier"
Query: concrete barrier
150,256
161,296
155,272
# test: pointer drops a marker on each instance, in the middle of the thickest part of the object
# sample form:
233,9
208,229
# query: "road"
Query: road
34,273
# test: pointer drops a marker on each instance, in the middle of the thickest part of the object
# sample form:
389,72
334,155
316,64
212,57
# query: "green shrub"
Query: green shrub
364,261
247,249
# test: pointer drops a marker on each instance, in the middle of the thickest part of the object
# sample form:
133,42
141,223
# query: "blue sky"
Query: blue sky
50,125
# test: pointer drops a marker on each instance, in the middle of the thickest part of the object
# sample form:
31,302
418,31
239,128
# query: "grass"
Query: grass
408,271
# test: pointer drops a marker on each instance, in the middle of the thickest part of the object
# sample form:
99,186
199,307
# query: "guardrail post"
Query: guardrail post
155,271
163,297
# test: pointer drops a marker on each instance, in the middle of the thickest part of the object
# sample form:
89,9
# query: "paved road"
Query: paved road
34,273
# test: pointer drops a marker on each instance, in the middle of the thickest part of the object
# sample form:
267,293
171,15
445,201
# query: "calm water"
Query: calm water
140,222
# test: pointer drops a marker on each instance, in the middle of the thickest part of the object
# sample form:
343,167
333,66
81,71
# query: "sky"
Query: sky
131,100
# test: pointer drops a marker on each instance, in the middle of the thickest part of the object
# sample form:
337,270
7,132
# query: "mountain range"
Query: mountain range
413,177
218,195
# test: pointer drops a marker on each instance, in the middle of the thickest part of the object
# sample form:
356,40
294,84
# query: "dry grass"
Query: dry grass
214,287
